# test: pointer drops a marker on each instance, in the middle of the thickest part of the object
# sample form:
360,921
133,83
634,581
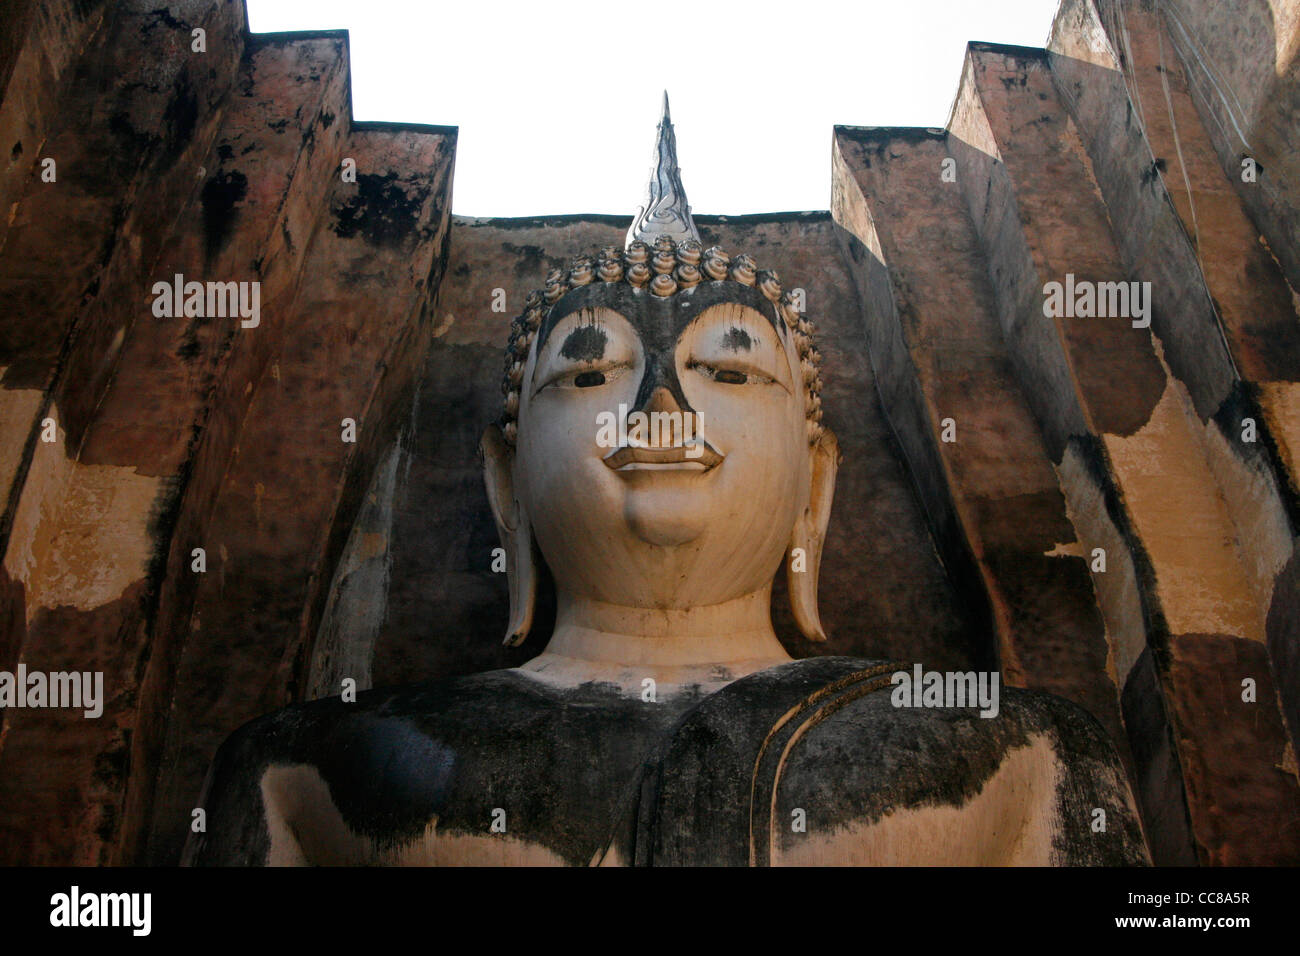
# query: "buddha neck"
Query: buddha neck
694,650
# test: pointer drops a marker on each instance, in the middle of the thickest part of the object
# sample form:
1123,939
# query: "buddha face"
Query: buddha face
699,507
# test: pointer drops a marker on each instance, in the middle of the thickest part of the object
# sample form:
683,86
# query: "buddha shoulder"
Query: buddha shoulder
490,768
824,761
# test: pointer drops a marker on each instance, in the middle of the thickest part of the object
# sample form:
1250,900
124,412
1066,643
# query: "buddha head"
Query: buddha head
661,445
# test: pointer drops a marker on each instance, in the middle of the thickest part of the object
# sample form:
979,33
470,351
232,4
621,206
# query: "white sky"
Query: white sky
557,102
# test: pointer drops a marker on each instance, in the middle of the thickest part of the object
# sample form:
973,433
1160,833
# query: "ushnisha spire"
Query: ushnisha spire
665,212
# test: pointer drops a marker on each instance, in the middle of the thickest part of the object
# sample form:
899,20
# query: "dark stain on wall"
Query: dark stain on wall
221,194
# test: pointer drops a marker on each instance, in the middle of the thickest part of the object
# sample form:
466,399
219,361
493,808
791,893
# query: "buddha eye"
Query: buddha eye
588,378
729,375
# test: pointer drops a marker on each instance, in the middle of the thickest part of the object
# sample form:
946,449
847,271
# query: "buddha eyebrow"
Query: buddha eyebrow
586,343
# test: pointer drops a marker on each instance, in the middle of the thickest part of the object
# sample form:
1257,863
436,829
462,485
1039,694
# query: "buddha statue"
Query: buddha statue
662,450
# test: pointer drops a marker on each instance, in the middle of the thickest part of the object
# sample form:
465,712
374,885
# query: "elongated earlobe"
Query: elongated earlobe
515,531
803,563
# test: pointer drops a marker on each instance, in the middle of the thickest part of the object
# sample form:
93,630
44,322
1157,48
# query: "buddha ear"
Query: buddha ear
515,531
804,561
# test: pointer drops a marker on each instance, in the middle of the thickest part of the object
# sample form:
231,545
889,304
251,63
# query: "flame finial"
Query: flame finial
666,212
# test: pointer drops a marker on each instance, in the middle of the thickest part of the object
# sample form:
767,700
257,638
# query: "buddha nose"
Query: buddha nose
670,424
661,400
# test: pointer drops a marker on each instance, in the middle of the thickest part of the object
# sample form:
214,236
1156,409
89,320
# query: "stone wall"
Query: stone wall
1103,511
1166,449
179,433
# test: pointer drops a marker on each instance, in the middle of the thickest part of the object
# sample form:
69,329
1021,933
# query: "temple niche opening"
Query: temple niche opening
900,449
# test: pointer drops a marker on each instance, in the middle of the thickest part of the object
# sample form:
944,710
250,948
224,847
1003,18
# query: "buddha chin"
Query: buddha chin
661,510
690,528
722,532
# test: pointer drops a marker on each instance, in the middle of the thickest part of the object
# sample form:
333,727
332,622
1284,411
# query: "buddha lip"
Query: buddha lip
707,457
